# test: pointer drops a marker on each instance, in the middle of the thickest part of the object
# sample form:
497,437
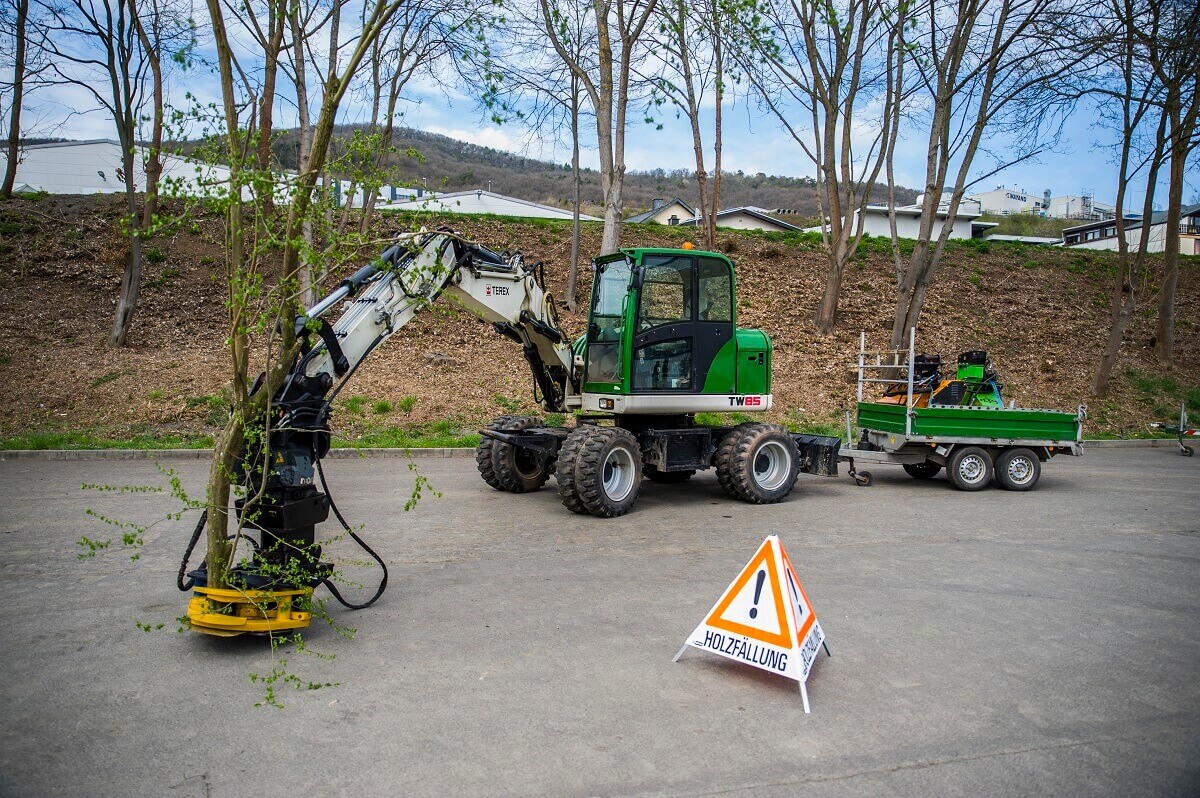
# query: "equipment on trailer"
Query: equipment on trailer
962,425
1181,429
661,346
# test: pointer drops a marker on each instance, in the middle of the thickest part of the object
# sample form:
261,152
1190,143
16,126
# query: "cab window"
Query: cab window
666,291
716,291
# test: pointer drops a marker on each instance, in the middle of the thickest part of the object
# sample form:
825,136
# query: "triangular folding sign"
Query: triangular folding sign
764,619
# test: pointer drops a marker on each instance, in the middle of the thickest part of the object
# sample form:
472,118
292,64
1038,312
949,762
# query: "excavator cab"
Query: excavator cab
662,337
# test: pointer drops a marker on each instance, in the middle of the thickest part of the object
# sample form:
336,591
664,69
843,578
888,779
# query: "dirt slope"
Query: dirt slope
1041,313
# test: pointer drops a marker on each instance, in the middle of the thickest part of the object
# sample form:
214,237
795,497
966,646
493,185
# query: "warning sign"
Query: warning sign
764,619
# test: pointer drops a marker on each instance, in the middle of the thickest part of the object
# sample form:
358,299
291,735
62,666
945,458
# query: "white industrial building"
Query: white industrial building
482,202
1102,234
908,222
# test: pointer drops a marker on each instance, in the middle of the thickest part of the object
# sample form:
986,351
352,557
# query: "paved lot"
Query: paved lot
983,644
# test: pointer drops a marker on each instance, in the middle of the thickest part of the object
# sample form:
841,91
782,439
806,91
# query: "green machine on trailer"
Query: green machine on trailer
925,423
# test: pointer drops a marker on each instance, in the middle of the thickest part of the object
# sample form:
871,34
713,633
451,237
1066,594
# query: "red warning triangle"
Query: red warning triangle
753,606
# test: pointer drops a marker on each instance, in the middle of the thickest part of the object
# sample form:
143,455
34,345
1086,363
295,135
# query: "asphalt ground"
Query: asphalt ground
983,644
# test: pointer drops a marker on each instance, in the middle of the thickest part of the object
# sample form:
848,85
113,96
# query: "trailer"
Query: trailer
924,423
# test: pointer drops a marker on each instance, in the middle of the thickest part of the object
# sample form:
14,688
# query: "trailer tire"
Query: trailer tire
1018,469
758,463
970,468
608,471
653,474
565,469
516,469
483,451
926,470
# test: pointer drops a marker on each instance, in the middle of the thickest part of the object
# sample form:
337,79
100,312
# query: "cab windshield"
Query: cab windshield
604,330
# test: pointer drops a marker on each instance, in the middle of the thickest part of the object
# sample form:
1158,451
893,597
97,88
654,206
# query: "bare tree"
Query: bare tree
607,78
1174,57
1142,125
94,45
842,64
985,67
690,51
20,61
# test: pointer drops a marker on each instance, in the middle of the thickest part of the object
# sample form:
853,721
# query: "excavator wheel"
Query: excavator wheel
517,470
487,447
564,473
758,463
608,472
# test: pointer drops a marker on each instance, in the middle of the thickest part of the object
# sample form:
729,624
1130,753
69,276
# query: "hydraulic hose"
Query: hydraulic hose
328,582
187,585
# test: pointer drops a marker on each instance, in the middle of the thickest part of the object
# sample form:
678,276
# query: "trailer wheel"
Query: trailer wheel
666,477
925,470
483,451
1187,451
970,468
758,463
1018,469
564,471
518,470
608,471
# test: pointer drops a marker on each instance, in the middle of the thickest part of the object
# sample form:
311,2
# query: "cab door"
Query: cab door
684,318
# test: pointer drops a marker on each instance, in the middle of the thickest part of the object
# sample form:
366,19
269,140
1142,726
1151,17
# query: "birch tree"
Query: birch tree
607,76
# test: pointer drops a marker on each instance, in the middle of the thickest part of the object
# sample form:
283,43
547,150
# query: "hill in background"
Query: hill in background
451,165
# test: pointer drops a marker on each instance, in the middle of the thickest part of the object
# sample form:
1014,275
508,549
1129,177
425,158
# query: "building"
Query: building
95,167
908,222
1103,234
482,202
1083,207
661,211
747,218
1004,201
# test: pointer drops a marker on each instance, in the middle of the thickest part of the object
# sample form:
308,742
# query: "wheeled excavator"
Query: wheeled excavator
661,346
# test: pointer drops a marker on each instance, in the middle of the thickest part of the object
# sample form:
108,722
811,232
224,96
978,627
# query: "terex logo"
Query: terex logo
745,401
497,290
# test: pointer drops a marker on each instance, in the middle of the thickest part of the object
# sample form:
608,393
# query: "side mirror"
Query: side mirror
639,277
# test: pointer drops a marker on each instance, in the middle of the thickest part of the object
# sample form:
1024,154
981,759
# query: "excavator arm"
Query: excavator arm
280,467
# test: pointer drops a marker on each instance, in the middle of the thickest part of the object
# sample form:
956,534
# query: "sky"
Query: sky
1083,160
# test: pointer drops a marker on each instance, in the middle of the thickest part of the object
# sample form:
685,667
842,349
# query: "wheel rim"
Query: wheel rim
1020,470
972,469
619,474
772,464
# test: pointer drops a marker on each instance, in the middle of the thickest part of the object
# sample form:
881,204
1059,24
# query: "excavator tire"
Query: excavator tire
608,471
564,473
758,463
666,477
516,469
483,451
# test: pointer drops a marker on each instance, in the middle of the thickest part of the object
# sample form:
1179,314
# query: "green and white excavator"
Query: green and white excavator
662,345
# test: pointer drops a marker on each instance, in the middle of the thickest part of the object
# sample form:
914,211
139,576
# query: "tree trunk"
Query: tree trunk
1164,334
153,166
132,278
577,191
14,121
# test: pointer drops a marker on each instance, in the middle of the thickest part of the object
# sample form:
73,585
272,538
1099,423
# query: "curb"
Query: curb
348,454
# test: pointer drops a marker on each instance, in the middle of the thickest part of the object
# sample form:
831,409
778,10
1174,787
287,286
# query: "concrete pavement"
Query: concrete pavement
983,644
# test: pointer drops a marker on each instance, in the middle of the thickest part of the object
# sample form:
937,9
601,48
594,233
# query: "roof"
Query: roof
69,144
1025,239
749,210
1159,217
482,202
648,215
1130,220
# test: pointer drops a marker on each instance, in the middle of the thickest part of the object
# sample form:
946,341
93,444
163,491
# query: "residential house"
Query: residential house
747,218
1103,234
662,211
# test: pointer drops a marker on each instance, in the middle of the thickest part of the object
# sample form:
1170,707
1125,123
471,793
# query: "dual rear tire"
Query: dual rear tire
599,471
758,463
970,468
507,467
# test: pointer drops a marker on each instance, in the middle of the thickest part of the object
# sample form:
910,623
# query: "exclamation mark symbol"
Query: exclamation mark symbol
762,575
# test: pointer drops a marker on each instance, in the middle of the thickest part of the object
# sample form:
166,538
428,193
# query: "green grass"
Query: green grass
104,378
95,439
439,434
382,407
407,403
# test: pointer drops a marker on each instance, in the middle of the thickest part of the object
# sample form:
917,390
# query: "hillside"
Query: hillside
1041,312
451,165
